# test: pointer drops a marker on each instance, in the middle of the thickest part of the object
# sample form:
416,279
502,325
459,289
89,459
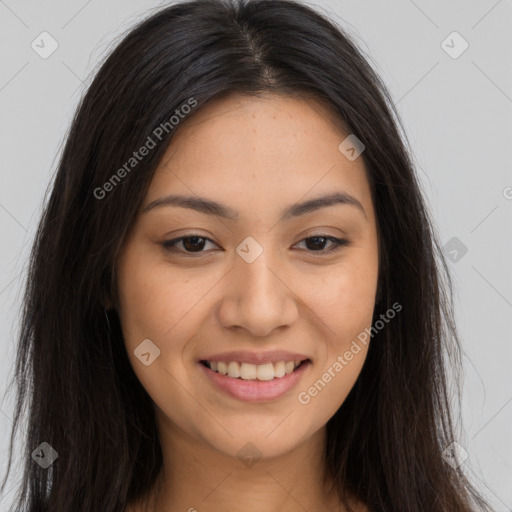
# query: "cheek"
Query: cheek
165,306
345,305
152,306
139,303
343,298
328,387
344,301
152,300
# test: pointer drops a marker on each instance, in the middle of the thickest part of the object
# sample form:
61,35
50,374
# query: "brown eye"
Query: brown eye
194,244
191,244
317,243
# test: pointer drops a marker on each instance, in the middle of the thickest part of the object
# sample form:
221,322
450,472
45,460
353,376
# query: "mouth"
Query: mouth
248,371
255,383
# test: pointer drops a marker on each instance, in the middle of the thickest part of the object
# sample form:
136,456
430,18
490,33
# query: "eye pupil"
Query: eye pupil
316,240
194,240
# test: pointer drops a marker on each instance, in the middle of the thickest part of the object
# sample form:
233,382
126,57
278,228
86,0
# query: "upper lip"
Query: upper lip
243,356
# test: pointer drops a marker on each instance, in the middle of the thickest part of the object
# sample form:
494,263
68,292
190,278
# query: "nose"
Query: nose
257,297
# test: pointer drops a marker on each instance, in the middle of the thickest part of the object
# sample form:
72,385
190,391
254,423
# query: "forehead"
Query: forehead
244,147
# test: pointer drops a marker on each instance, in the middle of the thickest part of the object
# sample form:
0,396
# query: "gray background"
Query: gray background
457,114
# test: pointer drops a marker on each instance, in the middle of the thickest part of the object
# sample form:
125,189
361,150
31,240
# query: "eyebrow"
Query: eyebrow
210,207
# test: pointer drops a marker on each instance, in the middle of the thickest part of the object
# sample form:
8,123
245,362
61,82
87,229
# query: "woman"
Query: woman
236,296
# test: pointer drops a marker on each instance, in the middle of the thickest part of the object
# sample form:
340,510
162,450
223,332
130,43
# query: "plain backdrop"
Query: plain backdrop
448,68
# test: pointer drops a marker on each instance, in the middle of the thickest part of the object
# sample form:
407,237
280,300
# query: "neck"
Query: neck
197,477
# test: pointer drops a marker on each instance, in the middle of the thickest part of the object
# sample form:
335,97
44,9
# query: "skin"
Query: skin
257,156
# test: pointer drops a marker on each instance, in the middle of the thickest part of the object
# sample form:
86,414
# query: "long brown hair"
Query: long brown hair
385,444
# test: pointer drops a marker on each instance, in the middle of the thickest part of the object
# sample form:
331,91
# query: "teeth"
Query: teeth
279,369
247,371
234,370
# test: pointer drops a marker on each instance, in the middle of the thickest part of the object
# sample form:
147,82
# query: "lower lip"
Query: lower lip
256,390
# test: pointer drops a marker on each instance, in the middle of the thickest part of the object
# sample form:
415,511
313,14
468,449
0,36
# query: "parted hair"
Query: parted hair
73,378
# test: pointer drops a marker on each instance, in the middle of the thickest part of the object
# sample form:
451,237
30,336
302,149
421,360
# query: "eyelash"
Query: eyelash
338,243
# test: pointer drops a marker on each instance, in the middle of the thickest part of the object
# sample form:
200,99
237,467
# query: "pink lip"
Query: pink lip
241,356
256,390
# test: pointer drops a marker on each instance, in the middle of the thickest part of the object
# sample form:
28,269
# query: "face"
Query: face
257,276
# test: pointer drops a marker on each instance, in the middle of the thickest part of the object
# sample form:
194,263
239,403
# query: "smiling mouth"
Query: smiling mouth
248,371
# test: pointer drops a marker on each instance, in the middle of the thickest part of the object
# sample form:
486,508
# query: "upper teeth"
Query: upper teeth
249,371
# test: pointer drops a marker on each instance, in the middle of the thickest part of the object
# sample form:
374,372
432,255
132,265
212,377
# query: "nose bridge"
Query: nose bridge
258,297
257,279
253,263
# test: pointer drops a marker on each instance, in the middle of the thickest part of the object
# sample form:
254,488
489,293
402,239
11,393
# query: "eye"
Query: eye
318,241
194,244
